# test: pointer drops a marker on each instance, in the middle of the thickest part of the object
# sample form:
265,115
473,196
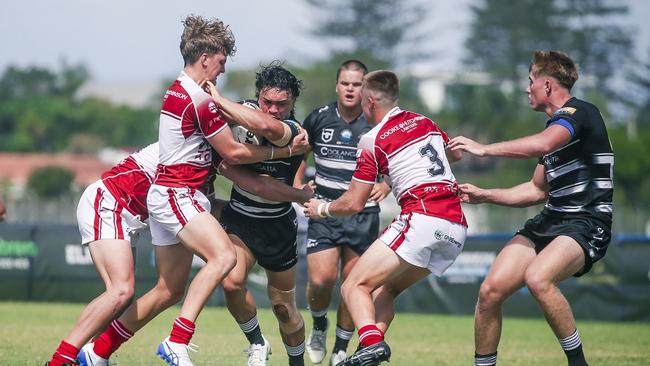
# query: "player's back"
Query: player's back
409,149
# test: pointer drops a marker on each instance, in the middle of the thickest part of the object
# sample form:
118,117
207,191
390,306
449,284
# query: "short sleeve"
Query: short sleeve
570,118
210,120
309,124
367,165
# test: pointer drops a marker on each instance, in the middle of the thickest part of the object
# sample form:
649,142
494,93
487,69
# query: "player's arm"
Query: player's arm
300,173
264,186
253,120
535,145
379,191
351,202
523,195
235,153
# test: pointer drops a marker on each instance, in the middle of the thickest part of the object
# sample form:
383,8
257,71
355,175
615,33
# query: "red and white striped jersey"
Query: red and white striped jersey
409,150
129,181
188,118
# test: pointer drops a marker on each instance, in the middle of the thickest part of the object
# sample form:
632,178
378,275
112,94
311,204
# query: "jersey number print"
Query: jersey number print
429,151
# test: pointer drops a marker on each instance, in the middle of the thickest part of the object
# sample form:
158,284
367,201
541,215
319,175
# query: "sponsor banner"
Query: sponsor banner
46,263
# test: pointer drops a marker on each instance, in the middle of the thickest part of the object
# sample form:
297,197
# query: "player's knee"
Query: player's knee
322,280
167,295
281,312
347,287
231,285
490,294
537,284
122,292
284,307
223,263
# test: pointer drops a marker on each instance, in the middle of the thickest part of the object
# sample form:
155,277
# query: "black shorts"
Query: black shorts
357,231
272,241
592,234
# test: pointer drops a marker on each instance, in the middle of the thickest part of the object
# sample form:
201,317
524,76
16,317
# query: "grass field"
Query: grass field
31,331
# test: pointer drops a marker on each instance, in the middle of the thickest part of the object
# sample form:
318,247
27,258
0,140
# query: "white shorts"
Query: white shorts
170,209
425,241
100,217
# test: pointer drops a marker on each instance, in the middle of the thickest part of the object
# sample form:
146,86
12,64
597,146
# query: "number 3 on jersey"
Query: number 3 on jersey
429,151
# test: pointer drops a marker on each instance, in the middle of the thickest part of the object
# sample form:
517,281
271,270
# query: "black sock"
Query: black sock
576,357
296,354
572,346
296,360
485,360
342,339
320,322
252,331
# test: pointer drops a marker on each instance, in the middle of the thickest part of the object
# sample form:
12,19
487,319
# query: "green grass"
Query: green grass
29,333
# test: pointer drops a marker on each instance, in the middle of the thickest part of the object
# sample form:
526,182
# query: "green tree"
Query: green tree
594,39
504,34
50,182
40,111
387,29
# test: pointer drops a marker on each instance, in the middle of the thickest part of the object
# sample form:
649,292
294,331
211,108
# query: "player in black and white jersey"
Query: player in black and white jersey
334,131
263,230
574,176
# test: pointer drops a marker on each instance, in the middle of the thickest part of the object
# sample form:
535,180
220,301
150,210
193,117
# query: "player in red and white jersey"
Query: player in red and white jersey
179,212
429,233
110,214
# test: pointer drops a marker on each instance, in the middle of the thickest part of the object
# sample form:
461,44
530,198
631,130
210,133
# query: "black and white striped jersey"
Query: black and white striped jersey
334,143
580,173
284,170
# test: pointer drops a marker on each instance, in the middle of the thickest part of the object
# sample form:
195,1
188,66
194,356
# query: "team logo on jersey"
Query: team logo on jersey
327,134
311,243
565,110
212,107
438,234
346,136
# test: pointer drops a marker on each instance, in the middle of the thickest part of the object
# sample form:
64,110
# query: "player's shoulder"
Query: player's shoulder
576,109
322,111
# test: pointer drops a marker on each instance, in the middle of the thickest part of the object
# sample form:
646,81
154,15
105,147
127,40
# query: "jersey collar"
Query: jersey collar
390,114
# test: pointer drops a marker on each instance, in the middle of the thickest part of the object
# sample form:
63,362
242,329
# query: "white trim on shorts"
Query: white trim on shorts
425,241
101,217
170,209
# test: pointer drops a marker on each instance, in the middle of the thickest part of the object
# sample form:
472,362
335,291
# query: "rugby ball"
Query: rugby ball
242,134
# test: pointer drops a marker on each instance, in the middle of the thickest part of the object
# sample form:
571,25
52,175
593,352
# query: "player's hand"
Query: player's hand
300,144
379,192
311,209
308,189
470,193
211,89
462,143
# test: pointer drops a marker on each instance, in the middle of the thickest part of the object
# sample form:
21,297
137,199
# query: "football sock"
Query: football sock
342,338
369,335
296,354
572,346
64,354
111,339
485,360
320,319
252,331
182,330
